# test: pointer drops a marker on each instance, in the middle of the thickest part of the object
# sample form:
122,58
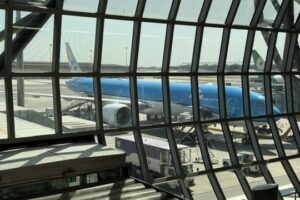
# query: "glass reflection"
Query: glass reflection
79,34
116,45
37,55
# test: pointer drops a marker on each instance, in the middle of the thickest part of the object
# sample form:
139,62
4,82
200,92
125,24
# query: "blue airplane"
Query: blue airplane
116,97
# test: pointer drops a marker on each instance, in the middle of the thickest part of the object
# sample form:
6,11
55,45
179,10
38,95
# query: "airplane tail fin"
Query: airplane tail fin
258,61
71,59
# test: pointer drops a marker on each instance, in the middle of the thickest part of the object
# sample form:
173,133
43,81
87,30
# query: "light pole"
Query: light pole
126,56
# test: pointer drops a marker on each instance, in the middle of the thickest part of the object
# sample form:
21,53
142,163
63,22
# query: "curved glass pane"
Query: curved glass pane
210,50
218,11
182,48
116,45
33,114
245,12
121,7
77,44
157,9
90,6
151,43
37,54
236,48
269,14
189,10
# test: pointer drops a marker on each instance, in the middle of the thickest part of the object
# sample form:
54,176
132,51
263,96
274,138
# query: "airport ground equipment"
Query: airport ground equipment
71,171
159,157
244,158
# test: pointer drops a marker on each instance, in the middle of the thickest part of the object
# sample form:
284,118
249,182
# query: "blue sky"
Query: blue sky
80,33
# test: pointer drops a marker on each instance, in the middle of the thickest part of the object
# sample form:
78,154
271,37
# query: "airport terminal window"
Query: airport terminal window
120,7
211,42
235,52
116,49
77,111
39,50
189,10
214,15
157,9
182,48
152,41
79,34
270,11
3,118
244,13
140,47
81,5
2,26
278,54
32,111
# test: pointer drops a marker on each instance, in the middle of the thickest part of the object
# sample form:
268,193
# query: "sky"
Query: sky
79,32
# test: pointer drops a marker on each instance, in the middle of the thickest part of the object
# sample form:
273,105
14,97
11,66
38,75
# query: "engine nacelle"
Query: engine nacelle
117,115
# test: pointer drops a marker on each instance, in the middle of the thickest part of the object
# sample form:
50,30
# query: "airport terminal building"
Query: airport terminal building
149,99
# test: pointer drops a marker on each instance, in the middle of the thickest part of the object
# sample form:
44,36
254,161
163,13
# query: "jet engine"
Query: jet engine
117,115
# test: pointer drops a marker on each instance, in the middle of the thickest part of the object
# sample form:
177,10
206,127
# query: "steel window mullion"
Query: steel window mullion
197,49
297,23
55,69
232,12
204,11
8,78
287,46
276,137
134,94
254,141
291,52
197,118
223,50
137,132
169,36
258,12
280,13
270,53
216,186
291,174
136,36
97,70
248,51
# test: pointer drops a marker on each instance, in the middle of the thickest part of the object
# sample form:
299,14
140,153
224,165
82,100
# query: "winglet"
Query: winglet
258,61
71,59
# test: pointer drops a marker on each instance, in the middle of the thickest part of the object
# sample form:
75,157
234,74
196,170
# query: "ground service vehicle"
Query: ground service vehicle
158,155
243,158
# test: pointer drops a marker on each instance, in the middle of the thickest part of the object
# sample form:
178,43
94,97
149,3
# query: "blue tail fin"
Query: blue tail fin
74,67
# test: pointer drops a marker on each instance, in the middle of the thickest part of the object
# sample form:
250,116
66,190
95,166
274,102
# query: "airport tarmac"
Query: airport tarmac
202,189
